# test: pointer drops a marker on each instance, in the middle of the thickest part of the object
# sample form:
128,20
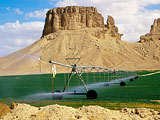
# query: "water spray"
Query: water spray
79,70
89,91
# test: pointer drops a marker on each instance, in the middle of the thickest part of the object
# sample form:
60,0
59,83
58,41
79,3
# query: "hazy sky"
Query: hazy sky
22,21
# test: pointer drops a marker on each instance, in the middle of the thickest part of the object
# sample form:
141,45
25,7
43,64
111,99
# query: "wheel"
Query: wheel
136,77
91,94
57,95
131,79
122,84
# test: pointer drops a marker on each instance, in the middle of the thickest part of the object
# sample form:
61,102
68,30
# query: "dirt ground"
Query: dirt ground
4,109
57,112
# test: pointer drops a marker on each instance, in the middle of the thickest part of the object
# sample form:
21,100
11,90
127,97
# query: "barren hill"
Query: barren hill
80,32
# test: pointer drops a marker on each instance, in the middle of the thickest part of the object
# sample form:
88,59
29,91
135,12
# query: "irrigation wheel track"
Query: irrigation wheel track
149,74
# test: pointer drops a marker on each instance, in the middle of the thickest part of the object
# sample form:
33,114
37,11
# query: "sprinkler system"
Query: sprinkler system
105,76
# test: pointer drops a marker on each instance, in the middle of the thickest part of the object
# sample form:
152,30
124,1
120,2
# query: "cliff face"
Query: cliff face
154,32
112,28
72,18
75,17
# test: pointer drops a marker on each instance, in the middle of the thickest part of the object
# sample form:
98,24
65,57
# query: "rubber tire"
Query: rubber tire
122,84
57,97
131,79
136,77
91,94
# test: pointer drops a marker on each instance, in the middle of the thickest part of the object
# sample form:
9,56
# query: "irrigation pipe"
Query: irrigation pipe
53,62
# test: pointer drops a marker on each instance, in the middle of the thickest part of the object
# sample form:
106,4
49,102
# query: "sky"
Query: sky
22,21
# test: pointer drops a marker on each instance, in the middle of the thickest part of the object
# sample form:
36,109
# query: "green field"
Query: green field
36,89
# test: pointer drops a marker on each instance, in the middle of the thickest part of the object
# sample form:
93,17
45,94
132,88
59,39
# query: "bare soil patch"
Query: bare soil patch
57,112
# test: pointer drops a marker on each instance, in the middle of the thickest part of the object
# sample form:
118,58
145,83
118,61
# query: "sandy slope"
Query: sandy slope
57,112
94,46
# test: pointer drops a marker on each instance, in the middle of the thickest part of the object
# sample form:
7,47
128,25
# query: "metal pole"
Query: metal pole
40,64
53,62
52,79
70,76
80,77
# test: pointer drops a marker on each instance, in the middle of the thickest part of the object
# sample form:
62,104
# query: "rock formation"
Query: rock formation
112,29
154,32
72,18
75,17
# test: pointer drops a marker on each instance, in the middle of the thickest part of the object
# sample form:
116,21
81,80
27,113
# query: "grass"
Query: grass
135,94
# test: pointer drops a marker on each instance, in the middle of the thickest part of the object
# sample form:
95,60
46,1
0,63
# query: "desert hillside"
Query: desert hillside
80,32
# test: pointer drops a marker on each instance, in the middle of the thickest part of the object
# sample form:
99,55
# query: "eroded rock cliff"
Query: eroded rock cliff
154,32
112,28
72,18
76,17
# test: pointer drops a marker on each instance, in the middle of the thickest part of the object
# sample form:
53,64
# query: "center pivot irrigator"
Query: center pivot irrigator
90,77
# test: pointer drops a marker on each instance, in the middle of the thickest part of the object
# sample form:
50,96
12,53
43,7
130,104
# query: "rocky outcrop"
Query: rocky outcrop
112,28
72,18
154,32
76,17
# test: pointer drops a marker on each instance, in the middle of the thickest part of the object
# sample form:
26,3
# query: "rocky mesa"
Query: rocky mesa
72,18
76,31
